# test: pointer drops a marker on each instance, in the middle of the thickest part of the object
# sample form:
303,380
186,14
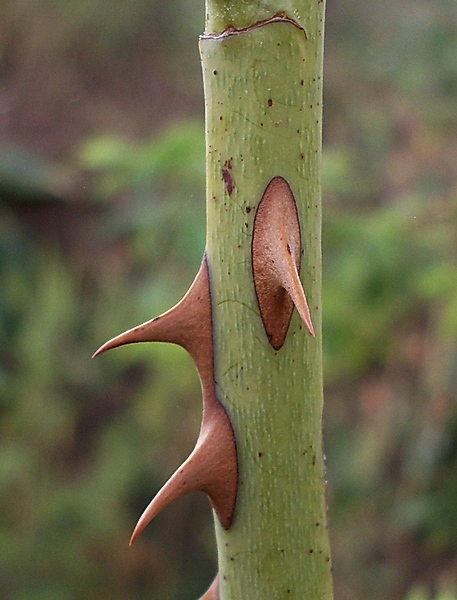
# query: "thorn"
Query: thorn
141,333
276,254
212,593
187,324
290,280
211,468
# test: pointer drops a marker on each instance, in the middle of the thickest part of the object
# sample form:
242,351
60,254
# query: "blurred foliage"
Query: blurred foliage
102,227
446,592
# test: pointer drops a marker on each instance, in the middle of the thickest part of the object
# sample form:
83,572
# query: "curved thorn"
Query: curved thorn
211,468
141,333
180,484
187,324
276,253
291,282
212,593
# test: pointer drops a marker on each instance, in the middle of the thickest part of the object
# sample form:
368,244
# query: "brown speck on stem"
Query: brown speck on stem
227,177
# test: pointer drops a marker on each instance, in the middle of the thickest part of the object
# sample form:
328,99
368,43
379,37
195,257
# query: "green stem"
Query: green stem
263,94
221,14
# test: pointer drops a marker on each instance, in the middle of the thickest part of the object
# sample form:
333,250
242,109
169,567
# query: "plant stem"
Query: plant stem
263,96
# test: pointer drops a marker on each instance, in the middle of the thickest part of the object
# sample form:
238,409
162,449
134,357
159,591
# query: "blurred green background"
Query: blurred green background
102,225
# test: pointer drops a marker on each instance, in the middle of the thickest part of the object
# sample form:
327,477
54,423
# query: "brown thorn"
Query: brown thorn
211,468
212,593
290,280
276,254
187,324
141,333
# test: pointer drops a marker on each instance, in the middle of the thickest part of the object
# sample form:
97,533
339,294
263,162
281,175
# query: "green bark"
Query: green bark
263,95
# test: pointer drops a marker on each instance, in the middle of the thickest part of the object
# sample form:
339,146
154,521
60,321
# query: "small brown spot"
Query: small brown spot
248,209
270,102
260,455
221,118
227,177
214,72
302,82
